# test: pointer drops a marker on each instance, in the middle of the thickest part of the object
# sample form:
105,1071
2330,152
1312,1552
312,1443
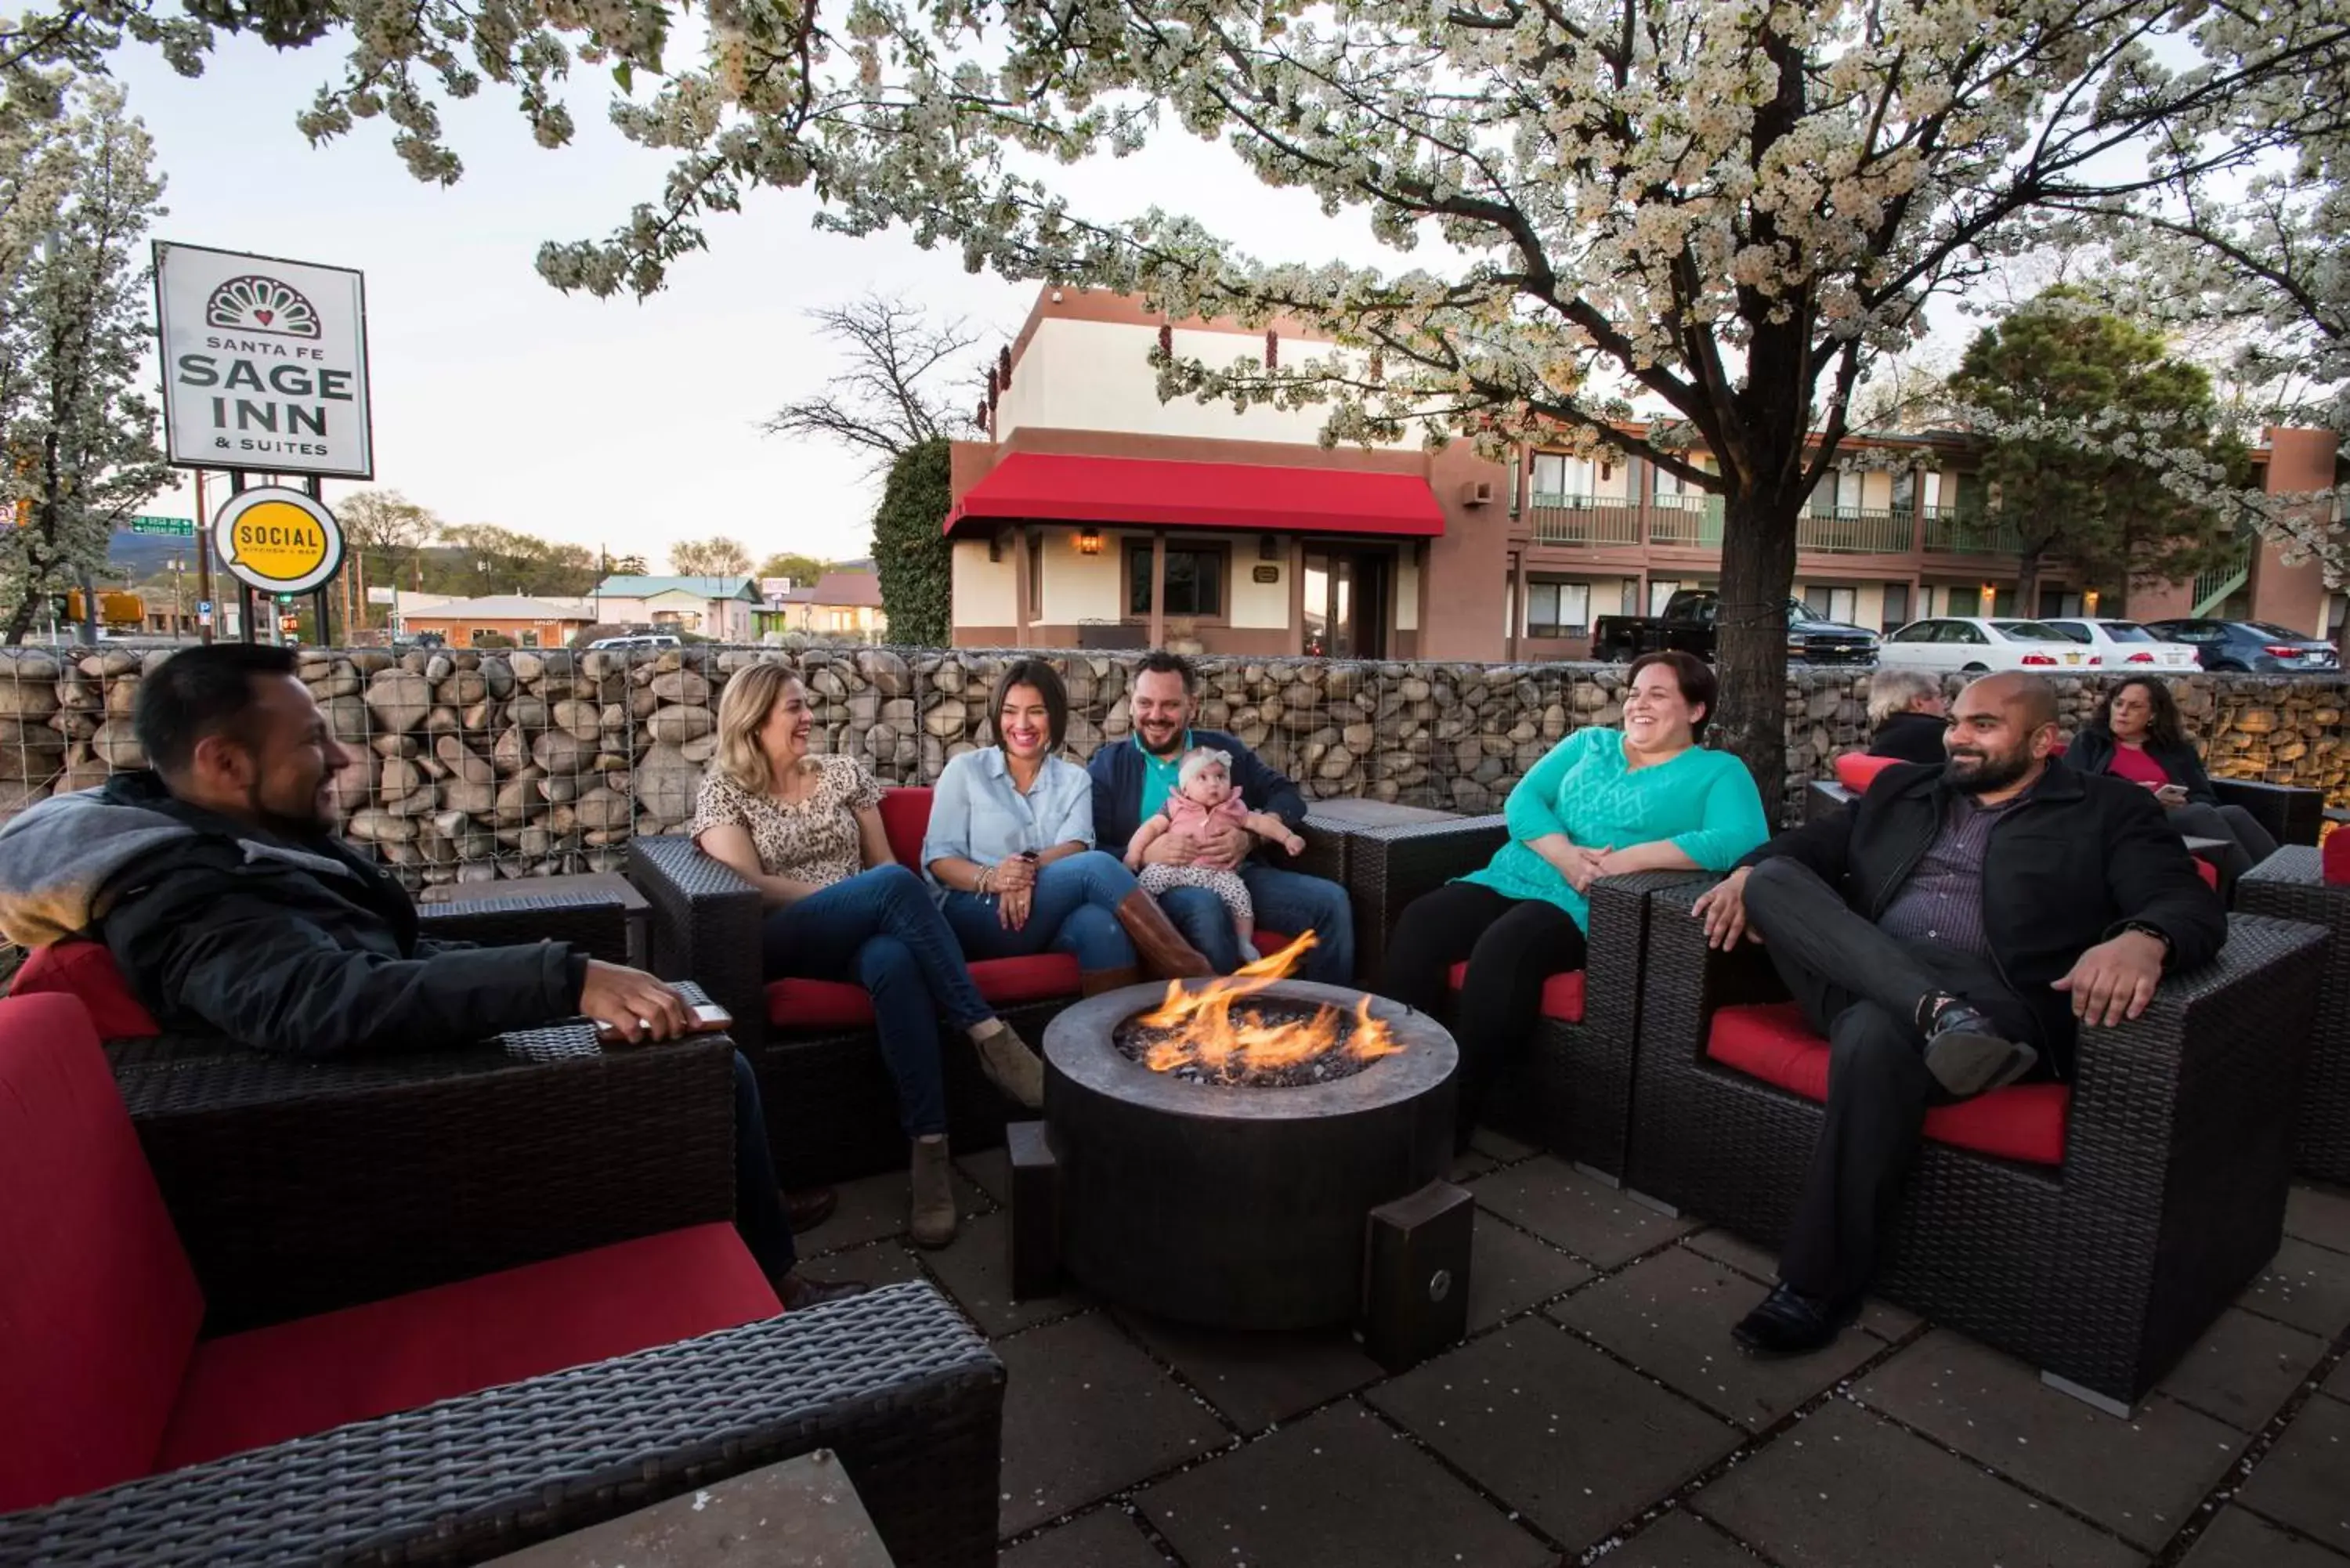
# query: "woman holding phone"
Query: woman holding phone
2137,735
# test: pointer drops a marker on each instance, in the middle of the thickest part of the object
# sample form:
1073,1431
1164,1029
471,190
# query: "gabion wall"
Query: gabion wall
482,764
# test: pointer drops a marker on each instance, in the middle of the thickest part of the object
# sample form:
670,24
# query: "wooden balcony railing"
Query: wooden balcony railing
1854,531
1584,519
1953,531
1689,520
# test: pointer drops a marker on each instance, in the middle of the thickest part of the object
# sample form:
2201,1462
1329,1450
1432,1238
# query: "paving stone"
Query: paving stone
1468,1167
1877,1315
1341,1487
2244,1369
2319,1215
1846,1488
2141,1477
2304,1480
876,1264
1679,1540
989,1171
1671,1316
976,1271
2307,1286
2339,1384
1256,1379
1508,1271
1105,1538
1555,1428
1086,1414
2241,1540
870,1208
1499,1147
1569,1209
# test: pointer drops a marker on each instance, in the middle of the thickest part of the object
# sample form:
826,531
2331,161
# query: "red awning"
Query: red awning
1048,487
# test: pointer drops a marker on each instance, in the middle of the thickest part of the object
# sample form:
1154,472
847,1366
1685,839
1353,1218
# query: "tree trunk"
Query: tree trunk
2027,586
1758,570
21,622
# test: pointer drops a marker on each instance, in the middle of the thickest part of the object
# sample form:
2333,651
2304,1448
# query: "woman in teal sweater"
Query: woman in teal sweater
1646,797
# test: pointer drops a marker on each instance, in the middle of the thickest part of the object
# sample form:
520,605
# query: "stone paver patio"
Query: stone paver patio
1599,1411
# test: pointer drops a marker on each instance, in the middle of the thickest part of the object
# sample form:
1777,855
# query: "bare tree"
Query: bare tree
714,557
902,386
385,530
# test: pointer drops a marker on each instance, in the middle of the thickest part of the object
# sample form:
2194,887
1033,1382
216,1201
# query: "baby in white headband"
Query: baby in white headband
1203,793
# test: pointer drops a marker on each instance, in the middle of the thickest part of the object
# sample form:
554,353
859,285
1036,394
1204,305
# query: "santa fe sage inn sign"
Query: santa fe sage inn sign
265,363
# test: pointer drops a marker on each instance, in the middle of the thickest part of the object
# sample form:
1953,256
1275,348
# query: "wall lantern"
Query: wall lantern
1088,541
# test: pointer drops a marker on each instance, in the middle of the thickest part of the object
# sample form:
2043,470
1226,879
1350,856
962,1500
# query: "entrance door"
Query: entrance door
1347,603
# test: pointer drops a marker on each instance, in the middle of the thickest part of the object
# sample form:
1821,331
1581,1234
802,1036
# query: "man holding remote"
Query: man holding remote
230,908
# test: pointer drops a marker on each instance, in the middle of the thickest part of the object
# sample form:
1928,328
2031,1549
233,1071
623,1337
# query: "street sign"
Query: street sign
184,527
203,607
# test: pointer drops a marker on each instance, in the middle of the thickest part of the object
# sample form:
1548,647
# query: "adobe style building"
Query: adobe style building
1095,516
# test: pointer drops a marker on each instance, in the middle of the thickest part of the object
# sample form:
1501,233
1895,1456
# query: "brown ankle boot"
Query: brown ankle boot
932,1221
1094,982
1011,1066
1165,954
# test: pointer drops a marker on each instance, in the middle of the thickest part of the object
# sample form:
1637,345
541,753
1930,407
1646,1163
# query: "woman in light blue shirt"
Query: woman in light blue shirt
1605,803
1010,850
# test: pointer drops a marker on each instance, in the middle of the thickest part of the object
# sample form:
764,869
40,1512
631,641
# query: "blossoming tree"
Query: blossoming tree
1717,209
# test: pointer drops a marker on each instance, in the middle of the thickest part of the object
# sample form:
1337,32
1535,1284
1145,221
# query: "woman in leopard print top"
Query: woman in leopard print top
807,832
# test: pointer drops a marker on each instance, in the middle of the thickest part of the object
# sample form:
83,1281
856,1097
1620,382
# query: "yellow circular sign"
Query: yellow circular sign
280,540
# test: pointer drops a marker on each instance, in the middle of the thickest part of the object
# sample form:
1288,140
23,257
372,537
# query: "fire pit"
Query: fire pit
1221,1143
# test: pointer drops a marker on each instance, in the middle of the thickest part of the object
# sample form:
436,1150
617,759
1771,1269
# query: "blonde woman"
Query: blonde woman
806,831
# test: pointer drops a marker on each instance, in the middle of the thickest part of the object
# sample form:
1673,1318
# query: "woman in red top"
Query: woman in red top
2137,735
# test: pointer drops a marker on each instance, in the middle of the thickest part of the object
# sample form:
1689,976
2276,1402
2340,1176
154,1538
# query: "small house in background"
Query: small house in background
723,609
843,603
502,620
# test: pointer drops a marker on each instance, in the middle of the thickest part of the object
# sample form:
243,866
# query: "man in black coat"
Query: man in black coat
1947,932
230,908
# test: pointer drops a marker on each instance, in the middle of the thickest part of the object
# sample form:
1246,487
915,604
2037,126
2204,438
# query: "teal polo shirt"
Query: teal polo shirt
1159,776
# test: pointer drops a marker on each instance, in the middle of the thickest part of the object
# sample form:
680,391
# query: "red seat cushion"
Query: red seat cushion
840,1004
1772,1042
2209,872
906,818
1561,994
263,1386
98,1308
85,971
1857,770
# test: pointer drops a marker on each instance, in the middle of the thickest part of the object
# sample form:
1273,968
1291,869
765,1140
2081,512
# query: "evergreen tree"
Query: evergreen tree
910,553
77,449
2085,415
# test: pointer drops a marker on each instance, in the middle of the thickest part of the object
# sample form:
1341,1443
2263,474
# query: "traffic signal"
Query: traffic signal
284,598
289,623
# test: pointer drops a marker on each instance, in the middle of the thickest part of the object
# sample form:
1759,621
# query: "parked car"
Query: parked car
1688,625
2256,646
1973,643
2125,644
652,639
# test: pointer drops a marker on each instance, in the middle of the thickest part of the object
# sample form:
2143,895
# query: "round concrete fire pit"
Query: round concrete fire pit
1230,1205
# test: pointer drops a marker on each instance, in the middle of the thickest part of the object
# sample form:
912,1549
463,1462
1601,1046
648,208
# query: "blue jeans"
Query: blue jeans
1075,911
1287,901
880,926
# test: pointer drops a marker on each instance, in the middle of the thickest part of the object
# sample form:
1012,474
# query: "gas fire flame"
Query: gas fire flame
1208,1034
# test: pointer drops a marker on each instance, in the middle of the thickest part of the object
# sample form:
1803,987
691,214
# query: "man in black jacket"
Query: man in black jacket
230,908
1947,932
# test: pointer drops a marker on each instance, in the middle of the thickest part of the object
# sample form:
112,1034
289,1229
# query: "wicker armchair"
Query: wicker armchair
300,1185
2101,1270
894,1381
2288,885
832,1108
2291,813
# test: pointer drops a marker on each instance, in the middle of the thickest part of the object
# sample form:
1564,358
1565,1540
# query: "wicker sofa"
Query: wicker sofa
441,1425
2291,813
2291,886
2095,1228
298,1186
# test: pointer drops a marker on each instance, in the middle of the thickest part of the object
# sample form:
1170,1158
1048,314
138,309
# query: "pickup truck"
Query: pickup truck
1688,625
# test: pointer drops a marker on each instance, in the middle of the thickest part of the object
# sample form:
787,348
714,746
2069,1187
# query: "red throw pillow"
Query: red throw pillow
1857,770
85,972
2334,858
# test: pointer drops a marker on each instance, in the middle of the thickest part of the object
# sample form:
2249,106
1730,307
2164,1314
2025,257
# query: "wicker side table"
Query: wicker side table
2288,885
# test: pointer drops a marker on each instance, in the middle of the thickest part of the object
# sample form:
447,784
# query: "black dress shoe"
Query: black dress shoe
1790,1322
809,1208
798,1293
1968,1056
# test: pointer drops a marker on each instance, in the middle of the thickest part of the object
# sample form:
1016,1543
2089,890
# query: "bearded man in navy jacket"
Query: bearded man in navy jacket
1131,780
